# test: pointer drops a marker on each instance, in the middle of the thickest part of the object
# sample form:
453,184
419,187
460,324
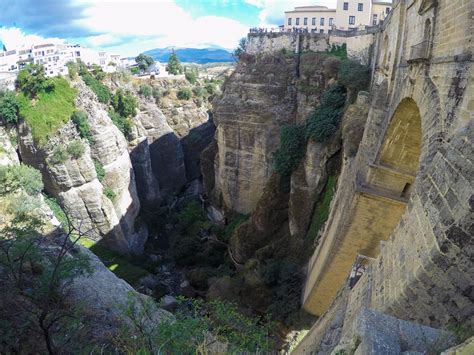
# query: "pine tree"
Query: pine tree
174,65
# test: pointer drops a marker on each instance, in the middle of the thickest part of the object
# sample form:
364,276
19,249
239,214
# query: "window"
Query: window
374,20
331,20
305,21
352,20
346,6
360,7
297,21
321,31
387,10
321,22
313,21
289,22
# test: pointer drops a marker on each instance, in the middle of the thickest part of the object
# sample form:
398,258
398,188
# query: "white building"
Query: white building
318,19
348,14
55,56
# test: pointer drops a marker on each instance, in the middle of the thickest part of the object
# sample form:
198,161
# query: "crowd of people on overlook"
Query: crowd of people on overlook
282,29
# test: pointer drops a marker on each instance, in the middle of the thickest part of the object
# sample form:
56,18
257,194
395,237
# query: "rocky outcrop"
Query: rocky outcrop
257,100
73,181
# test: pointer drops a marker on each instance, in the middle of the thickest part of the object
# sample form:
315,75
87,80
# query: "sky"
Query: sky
128,27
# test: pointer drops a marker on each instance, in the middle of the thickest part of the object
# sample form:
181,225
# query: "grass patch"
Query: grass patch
122,266
321,211
49,111
235,221
57,210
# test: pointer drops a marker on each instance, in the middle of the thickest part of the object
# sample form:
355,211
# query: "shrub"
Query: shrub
59,155
241,48
122,123
99,170
184,94
21,176
72,69
339,51
291,150
199,91
145,90
124,103
109,193
166,92
331,67
32,80
76,149
135,70
144,61
156,93
102,92
354,76
9,108
211,88
82,124
191,76
50,111
322,124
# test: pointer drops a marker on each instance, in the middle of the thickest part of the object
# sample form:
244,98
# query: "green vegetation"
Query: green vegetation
174,66
284,279
144,61
157,93
32,80
211,88
124,267
324,121
235,221
49,111
122,123
199,91
339,51
291,150
196,325
82,124
76,149
57,210
184,94
109,193
124,103
135,70
240,48
191,76
145,90
59,155
321,211
102,92
99,170
72,69
354,76
9,108
20,177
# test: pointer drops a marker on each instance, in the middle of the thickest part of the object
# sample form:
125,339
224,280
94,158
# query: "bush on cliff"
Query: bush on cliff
291,150
354,76
9,108
76,149
102,92
122,123
49,111
324,121
339,51
124,103
191,76
16,177
79,118
145,90
32,80
184,94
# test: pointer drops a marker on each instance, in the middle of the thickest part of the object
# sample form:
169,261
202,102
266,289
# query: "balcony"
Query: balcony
420,52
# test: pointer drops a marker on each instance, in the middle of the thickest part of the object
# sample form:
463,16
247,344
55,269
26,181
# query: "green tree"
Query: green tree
240,48
145,90
174,65
291,150
82,124
354,76
31,80
184,94
20,177
124,103
144,61
191,76
9,108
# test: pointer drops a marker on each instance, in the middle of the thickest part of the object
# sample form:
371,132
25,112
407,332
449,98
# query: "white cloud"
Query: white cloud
13,37
270,10
159,23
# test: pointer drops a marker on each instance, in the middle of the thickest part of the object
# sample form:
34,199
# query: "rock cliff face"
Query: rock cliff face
157,159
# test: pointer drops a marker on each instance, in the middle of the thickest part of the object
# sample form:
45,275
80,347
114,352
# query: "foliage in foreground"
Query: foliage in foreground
9,108
16,177
196,328
49,111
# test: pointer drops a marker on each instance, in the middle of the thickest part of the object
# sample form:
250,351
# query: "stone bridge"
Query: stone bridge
407,197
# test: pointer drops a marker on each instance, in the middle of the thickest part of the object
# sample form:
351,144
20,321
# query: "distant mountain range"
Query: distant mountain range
192,55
